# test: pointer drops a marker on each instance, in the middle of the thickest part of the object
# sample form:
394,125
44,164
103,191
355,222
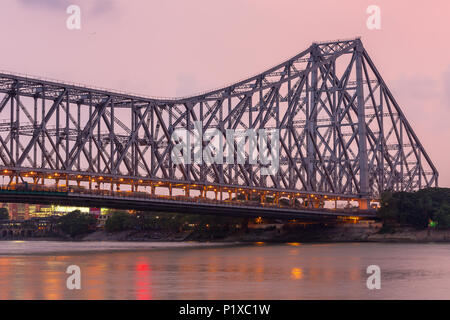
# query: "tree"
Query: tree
416,208
76,223
442,216
120,221
4,215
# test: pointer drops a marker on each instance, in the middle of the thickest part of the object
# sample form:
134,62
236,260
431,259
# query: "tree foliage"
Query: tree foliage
417,208
4,215
119,221
76,223
146,221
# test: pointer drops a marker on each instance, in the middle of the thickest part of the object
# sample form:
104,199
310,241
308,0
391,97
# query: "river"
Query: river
132,270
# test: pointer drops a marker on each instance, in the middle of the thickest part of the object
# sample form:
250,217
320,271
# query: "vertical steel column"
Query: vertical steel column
17,123
362,143
289,127
189,156
112,140
12,129
34,130
57,137
66,163
133,142
91,165
78,134
171,130
381,142
43,129
99,141
311,114
153,141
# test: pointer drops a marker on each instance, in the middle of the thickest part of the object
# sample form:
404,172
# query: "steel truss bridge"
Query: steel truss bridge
342,137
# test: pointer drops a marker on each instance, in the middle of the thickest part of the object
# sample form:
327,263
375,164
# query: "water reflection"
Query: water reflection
254,271
143,281
297,273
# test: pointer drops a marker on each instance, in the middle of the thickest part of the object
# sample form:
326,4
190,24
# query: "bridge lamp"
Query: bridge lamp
121,179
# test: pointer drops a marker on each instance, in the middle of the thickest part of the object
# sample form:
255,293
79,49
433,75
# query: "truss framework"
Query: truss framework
341,130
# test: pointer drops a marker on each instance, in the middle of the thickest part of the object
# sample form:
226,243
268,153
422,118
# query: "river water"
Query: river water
123,270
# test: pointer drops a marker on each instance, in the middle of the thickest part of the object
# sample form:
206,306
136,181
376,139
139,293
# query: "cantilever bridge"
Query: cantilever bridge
342,137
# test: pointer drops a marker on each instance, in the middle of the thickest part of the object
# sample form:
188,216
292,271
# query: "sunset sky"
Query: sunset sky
175,48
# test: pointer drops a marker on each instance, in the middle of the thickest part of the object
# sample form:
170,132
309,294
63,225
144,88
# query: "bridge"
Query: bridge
342,140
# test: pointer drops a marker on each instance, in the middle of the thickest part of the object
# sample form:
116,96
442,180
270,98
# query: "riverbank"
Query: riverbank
346,232
412,235
56,247
358,232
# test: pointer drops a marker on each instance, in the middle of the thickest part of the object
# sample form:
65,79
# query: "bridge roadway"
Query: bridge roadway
193,205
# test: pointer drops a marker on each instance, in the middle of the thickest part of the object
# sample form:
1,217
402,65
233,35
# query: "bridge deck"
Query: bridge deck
193,205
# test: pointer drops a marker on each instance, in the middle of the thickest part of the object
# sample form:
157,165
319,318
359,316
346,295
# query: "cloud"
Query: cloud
446,85
50,4
102,6
97,7
418,96
418,87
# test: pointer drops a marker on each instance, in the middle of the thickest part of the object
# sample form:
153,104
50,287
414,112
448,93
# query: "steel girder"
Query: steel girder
341,130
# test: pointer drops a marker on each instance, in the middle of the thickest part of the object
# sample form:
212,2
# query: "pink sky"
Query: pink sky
175,48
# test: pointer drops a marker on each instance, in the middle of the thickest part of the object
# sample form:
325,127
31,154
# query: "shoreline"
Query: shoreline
23,248
36,248
331,234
